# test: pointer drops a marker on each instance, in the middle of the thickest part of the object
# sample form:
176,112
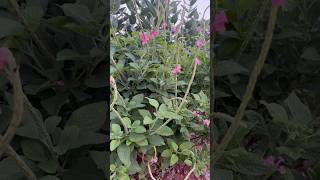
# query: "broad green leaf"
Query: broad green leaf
140,129
225,68
173,160
124,154
147,120
51,123
50,165
156,140
186,145
100,158
8,27
165,131
134,137
278,113
114,144
299,112
153,103
67,139
78,12
115,128
34,150
174,146
68,54
90,117
166,153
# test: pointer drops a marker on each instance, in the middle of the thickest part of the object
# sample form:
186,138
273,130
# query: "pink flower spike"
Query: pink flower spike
197,61
219,22
269,161
144,38
176,70
195,114
199,29
153,34
2,58
163,25
174,30
277,3
206,122
200,43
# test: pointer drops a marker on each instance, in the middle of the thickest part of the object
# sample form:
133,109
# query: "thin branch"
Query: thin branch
251,85
190,172
150,173
16,119
24,167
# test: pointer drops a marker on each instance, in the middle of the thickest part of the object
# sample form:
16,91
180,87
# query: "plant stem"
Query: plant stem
250,88
14,77
190,172
150,173
24,167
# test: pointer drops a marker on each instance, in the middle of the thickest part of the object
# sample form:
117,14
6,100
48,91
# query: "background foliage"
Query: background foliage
282,119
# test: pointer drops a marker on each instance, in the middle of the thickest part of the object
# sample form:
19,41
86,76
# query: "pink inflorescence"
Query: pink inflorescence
206,122
145,38
200,43
275,163
197,61
176,70
219,22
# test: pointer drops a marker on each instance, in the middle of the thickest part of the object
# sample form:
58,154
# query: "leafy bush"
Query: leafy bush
159,108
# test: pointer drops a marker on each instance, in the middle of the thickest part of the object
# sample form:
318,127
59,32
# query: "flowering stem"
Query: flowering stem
249,90
188,89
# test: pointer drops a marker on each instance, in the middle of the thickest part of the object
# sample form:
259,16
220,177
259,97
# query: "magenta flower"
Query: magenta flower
144,38
2,58
195,113
176,70
154,159
163,25
206,122
277,3
197,61
219,22
269,161
174,30
199,29
153,34
200,43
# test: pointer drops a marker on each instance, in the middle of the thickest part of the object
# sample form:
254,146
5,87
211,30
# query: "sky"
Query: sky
201,6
